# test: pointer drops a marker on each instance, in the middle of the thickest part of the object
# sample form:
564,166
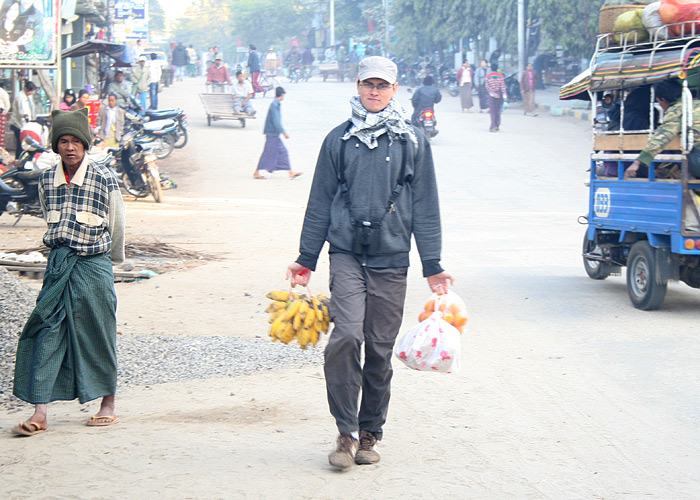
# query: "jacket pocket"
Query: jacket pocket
53,216
88,219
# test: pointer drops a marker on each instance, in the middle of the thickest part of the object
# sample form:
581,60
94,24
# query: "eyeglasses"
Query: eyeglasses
382,87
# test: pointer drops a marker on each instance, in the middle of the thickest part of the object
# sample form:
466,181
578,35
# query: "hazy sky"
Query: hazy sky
175,8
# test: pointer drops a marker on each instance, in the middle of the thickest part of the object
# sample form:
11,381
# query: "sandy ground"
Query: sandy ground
566,392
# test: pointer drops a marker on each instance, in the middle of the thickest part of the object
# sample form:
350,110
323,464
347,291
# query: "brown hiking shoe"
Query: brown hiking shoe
344,455
367,454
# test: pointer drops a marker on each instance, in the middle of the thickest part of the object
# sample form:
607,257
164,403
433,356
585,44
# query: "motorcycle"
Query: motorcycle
19,186
294,73
136,168
159,135
177,114
428,123
449,83
513,88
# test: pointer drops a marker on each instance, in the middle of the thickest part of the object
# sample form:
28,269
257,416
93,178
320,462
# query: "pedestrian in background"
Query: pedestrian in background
217,75
254,68
139,78
121,87
83,99
193,60
68,100
275,155
496,88
465,77
154,74
374,174
529,81
22,112
180,60
480,79
68,347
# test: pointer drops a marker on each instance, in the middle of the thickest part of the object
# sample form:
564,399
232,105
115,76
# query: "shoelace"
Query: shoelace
366,442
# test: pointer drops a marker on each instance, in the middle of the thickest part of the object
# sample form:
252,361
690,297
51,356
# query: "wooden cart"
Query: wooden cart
220,107
340,71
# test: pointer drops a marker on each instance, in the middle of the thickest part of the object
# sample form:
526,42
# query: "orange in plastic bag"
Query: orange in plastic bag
450,305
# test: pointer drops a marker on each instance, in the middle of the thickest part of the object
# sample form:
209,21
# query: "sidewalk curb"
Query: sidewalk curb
579,115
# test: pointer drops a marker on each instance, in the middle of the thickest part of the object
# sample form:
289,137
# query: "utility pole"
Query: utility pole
332,19
522,55
386,27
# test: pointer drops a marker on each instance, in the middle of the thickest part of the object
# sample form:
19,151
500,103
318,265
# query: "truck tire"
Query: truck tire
645,291
595,269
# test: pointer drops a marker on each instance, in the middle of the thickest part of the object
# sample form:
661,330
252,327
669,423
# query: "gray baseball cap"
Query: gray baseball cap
377,67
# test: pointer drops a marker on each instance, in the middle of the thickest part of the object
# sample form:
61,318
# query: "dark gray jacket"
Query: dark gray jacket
371,175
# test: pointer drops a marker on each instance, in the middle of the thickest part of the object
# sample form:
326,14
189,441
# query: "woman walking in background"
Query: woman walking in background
465,76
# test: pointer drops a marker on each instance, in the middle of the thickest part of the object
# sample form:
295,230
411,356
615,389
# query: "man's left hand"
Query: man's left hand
440,283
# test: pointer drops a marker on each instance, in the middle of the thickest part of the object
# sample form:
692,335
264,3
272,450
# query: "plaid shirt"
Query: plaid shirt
78,213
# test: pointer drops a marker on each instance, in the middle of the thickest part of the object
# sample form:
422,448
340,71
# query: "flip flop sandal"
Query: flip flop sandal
102,420
296,174
28,429
259,177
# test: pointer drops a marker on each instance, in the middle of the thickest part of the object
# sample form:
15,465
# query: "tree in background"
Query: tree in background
156,16
269,22
206,23
571,24
423,26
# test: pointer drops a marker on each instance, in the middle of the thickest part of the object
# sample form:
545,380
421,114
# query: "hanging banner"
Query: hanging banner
29,33
130,20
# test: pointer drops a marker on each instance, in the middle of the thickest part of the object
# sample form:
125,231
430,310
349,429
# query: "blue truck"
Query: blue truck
650,224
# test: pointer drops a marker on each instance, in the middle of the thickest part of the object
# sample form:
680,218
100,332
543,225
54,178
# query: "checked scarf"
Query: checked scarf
368,126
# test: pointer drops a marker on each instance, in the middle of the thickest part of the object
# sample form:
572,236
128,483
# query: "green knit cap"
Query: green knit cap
73,123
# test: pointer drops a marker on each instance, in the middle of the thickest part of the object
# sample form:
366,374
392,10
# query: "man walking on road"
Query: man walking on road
480,80
254,68
373,187
275,155
68,348
496,88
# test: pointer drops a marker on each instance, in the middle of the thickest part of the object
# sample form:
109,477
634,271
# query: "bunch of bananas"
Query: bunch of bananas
293,315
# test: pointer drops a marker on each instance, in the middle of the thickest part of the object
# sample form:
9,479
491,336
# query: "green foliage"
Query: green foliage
422,26
568,23
156,16
269,22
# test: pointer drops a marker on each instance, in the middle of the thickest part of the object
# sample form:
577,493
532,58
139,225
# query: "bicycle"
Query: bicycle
267,83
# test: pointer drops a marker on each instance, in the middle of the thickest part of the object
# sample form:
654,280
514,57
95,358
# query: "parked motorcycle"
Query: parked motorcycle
136,167
177,114
158,135
513,88
19,186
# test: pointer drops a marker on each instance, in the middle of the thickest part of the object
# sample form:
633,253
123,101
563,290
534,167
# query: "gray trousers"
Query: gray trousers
366,306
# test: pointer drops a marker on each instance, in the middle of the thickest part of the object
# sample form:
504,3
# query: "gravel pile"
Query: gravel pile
149,359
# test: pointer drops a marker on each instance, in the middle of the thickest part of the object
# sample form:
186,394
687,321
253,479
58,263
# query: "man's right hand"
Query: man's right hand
632,170
298,274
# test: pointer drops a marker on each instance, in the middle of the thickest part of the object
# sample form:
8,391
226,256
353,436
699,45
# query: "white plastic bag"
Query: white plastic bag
431,345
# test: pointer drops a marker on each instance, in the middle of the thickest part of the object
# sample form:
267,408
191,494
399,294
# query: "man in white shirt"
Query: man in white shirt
154,73
22,112
242,93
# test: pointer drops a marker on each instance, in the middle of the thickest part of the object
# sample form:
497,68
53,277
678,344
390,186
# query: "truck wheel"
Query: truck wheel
595,269
645,292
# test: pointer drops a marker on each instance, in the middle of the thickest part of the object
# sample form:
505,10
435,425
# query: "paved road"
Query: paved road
567,391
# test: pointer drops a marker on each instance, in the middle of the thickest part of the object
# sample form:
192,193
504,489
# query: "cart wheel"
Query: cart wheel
643,287
242,120
208,120
595,269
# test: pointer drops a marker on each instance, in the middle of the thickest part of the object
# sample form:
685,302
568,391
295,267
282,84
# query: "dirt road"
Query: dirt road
566,391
